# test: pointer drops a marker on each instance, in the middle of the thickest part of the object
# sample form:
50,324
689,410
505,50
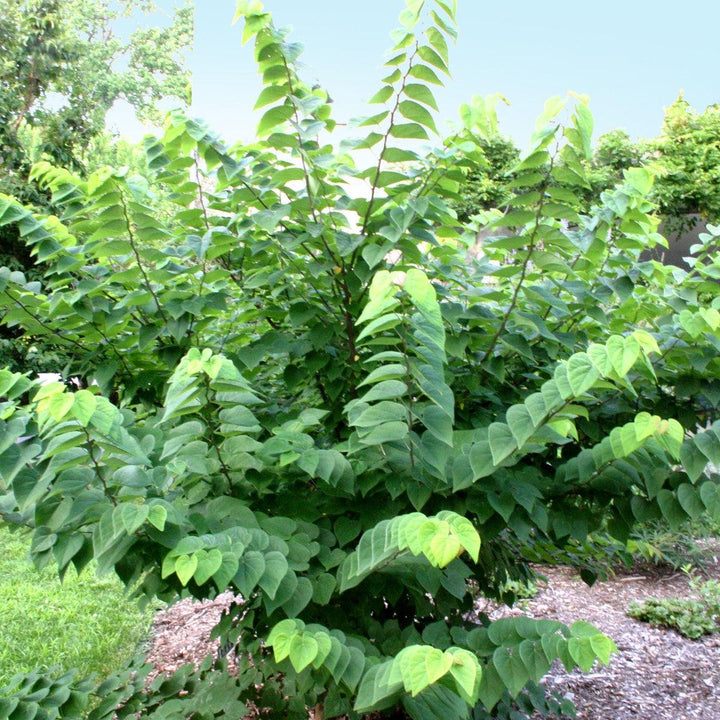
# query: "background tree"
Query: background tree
63,65
486,184
614,153
687,154
685,157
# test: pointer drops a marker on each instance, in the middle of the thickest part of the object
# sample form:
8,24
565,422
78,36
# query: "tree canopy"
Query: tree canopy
63,65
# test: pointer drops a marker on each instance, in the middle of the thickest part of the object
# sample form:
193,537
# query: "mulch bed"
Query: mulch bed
656,675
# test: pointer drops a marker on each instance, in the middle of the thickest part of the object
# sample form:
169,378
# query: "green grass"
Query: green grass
83,622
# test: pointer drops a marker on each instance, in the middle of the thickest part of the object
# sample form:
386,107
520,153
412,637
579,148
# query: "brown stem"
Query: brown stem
408,381
133,245
201,200
381,157
289,257
96,465
113,348
319,711
306,172
23,307
214,437
526,263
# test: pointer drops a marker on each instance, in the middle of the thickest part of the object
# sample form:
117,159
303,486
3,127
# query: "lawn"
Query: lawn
83,622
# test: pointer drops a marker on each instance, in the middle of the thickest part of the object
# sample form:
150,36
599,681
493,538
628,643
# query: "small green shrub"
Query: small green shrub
518,590
662,545
688,617
691,618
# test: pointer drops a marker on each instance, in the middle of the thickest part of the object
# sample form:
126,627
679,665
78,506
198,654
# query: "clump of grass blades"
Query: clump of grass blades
83,622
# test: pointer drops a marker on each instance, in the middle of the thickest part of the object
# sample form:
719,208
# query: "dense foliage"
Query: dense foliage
688,159
684,157
322,402
63,65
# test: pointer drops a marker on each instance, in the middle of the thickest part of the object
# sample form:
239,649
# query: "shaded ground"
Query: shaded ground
656,675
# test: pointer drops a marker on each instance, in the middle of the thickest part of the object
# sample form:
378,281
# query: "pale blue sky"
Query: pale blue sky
631,57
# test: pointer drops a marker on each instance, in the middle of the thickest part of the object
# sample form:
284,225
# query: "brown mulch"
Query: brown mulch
180,634
656,675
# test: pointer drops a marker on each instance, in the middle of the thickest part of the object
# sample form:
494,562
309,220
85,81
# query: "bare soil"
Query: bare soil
656,675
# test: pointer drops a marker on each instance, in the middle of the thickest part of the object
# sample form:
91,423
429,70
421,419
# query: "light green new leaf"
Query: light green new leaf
420,93
443,549
437,40
303,649
581,373
623,352
425,73
582,652
603,647
209,562
381,96
466,672
409,131
428,55
281,636
273,117
59,405
271,94
185,566
83,407
420,666
287,627
157,515
464,530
